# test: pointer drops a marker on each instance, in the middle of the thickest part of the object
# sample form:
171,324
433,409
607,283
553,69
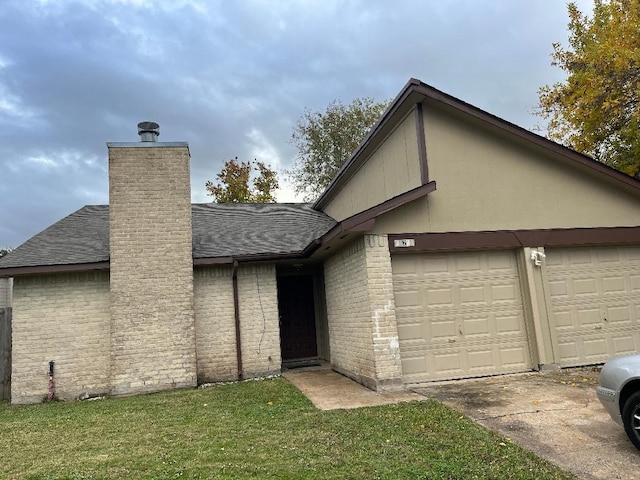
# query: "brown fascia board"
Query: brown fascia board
42,269
363,221
600,168
510,239
259,257
416,91
197,262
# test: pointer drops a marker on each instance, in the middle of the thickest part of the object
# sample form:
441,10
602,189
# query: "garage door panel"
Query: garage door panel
625,344
470,310
510,324
414,366
478,327
472,294
410,331
514,358
594,308
441,330
440,296
614,284
619,315
481,360
558,289
407,298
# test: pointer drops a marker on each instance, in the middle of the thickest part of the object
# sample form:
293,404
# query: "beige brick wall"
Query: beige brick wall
348,313
6,292
361,313
64,318
383,313
215,322
259,321
152,305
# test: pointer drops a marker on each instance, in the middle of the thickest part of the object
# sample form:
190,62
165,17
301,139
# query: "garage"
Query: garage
459,315
594,296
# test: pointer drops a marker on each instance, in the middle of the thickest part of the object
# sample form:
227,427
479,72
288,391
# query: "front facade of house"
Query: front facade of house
451,245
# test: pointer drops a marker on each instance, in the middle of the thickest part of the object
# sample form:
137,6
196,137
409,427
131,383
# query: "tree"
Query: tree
235,184
595,110
326,140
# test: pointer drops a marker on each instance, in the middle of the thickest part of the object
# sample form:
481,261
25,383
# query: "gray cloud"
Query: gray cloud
232,78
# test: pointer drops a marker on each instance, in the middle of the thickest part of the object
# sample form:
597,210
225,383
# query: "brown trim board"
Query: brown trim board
236,316
363,221
40,269
504,239
422,144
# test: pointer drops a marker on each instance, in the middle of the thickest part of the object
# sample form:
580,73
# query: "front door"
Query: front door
297,317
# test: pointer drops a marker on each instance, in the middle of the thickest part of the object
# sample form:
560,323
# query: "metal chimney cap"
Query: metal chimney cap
148,131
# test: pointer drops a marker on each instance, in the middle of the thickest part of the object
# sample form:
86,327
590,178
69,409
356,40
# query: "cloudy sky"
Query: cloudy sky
232,77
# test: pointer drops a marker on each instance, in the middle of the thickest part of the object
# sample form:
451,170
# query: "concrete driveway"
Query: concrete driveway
554,414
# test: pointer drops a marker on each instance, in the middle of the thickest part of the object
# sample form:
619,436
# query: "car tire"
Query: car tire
631,418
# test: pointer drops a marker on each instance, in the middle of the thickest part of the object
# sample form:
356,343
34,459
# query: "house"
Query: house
452,244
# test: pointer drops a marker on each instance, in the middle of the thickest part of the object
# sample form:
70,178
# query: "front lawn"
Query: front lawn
255,429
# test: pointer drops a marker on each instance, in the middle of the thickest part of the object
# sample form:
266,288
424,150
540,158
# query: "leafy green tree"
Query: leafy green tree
236,185
326,140
595,110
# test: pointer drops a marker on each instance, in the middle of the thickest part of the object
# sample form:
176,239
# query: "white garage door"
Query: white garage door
595,302
459,315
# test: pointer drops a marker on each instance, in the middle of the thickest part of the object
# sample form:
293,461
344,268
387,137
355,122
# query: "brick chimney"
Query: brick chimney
151,279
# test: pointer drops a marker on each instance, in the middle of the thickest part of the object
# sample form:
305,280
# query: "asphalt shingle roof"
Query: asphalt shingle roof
232,229
219,230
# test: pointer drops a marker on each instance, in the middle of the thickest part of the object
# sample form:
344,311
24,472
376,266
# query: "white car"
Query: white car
619,392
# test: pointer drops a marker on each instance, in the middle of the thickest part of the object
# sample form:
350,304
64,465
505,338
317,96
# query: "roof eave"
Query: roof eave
42,269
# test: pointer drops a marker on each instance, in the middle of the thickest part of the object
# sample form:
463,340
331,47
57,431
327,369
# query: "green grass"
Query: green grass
259,429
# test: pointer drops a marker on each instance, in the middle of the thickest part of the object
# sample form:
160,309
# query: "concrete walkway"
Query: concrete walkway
329,390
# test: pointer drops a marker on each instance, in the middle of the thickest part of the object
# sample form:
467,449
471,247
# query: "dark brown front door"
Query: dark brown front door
297,317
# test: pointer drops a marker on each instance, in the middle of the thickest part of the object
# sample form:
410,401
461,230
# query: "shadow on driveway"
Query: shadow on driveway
556,415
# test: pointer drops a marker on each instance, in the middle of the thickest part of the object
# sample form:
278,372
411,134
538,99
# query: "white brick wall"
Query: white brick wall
361,313
64,318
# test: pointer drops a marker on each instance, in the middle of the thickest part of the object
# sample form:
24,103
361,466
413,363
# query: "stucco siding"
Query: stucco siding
64,318
486,181
392,169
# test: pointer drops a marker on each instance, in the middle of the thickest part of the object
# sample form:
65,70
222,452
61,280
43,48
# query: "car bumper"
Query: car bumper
610,401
